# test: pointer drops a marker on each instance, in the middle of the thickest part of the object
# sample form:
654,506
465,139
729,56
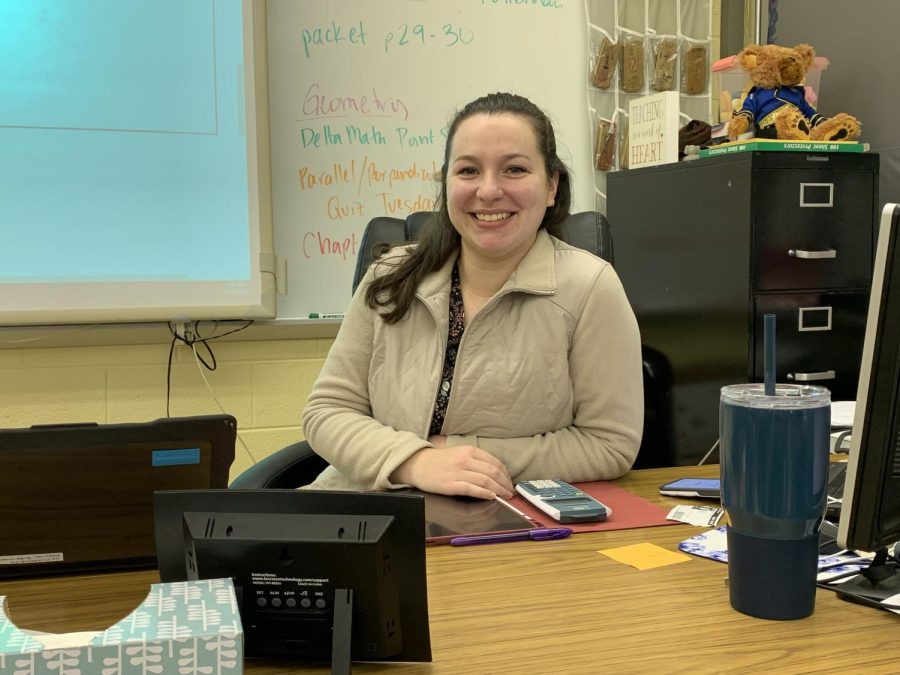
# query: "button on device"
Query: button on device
261,601
306,603
320,603
291,602
276,602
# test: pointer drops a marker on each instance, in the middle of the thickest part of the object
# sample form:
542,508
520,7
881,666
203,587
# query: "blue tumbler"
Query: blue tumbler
774,471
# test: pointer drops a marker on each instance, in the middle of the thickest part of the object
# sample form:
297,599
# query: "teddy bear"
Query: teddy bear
776,104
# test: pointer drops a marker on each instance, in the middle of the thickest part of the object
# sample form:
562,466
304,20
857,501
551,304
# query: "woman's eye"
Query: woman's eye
466,171
517,169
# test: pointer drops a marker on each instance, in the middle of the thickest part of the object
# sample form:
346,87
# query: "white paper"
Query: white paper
842,413
703,516
893,600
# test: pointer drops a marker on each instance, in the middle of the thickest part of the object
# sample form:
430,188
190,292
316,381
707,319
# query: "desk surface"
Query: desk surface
557,606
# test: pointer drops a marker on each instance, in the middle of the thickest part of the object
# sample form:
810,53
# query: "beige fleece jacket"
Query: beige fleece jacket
548,377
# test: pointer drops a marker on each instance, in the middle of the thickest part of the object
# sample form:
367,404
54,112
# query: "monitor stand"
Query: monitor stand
873,585
342,630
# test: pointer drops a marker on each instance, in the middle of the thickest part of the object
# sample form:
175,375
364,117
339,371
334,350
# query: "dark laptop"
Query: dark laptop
79,497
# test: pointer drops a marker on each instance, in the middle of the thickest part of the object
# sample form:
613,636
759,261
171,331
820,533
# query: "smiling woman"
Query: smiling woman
469,361
498,190
497,143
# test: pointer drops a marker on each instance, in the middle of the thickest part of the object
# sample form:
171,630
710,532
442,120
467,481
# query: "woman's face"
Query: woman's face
497,186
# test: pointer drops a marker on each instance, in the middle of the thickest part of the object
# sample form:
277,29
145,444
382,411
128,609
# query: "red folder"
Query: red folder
628,510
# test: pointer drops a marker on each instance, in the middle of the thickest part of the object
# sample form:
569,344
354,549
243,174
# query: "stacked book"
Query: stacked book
773,145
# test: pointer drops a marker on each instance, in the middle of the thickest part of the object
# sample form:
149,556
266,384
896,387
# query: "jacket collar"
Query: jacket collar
536,273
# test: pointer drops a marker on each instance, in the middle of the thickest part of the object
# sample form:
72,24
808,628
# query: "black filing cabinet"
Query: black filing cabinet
706,248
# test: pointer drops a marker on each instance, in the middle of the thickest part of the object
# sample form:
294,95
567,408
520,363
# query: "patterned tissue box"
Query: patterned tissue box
182,628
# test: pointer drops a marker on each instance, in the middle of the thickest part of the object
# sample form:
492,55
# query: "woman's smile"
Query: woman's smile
497,188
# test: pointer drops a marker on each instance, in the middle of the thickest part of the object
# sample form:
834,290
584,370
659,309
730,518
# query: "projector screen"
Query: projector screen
129,157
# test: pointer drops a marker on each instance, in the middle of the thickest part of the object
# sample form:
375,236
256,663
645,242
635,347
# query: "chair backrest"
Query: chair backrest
588,230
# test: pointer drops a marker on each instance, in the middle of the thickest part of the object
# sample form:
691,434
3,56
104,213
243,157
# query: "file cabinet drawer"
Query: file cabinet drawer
813,335
804,236
702,249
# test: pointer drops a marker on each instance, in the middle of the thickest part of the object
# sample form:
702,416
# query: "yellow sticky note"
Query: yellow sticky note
644,556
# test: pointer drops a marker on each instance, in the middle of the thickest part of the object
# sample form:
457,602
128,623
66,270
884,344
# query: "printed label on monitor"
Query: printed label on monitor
276,592
31,559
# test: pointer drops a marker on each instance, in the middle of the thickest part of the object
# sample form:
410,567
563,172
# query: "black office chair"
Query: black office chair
298,464
588,230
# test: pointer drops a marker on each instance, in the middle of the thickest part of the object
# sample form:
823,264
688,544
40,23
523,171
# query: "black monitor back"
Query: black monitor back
286,544
870,514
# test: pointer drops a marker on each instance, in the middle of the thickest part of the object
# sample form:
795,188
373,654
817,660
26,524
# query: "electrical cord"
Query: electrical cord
191,337
200,366
839,442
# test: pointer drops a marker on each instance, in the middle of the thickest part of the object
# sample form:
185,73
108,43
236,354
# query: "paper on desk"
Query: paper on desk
644,556
842,413
704,516
714,545
893,600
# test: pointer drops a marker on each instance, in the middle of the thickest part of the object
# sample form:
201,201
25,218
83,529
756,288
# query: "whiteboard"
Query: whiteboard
360,95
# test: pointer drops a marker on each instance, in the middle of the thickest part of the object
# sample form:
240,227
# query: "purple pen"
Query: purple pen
540,534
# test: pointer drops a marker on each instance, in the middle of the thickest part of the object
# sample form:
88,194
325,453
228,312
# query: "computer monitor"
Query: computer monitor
870,514
318,575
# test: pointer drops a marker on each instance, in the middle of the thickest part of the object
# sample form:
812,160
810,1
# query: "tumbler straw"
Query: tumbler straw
769,347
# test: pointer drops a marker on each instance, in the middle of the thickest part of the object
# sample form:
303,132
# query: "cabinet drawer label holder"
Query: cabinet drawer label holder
816,195
813,319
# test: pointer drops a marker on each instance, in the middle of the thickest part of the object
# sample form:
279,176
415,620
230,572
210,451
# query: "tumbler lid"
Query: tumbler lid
753,395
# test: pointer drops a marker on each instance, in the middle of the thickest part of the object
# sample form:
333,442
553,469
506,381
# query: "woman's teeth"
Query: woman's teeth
492,217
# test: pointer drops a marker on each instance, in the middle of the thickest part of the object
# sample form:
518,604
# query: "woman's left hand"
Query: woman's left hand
460,470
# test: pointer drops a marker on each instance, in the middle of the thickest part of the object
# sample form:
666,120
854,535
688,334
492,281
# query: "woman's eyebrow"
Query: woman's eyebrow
505,158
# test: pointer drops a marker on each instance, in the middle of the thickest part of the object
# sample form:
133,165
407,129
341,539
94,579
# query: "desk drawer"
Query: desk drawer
812,228
819,338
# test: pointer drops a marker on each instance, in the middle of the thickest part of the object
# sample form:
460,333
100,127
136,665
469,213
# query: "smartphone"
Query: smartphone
705,488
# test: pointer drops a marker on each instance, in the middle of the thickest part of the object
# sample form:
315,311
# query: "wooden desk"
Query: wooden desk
558,606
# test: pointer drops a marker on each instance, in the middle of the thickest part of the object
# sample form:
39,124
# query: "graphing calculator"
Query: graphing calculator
563,502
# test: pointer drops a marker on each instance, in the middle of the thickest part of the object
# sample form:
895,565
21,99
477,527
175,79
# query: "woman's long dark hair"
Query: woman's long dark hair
394,291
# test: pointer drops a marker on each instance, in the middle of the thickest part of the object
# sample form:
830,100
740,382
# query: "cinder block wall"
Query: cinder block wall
263,383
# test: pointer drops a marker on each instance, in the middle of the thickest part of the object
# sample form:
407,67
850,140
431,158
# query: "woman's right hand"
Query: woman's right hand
461,470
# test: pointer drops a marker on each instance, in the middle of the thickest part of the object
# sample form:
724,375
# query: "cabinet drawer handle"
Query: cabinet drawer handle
812,255
811,377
